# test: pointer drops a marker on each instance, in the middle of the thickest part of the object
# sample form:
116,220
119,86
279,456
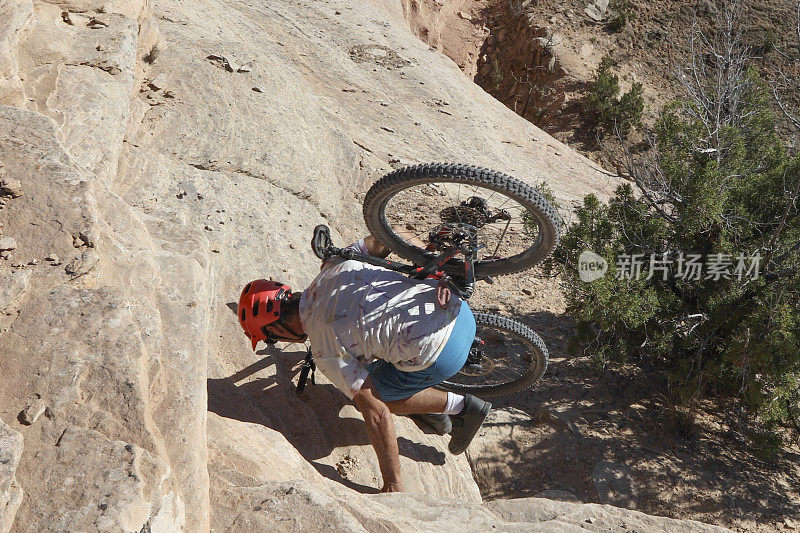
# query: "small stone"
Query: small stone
597,10
52,257
11,187
208,228
337,12
593,13
526,291
7,244
291,246
214,250
244,68
553,19
180,194
30,414
5,254
33,262
384,128
199,196
87,238
464,15
76,241
258,89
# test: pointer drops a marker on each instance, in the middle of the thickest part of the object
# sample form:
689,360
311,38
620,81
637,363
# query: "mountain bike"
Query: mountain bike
462,224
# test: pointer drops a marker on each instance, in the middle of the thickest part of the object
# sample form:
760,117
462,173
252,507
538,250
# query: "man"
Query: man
383,340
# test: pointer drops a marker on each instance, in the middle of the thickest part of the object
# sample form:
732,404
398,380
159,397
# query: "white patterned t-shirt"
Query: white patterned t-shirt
354,312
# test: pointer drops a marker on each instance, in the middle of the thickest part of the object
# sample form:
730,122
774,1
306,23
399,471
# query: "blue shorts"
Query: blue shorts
394,384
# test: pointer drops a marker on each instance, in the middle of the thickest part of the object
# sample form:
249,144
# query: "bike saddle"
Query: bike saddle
321,242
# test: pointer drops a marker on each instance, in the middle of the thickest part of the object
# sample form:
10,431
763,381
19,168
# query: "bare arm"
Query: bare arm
380,428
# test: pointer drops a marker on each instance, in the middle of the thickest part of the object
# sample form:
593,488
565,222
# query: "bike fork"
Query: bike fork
308,367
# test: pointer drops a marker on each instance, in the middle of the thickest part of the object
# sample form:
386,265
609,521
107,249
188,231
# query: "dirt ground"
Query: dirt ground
589,425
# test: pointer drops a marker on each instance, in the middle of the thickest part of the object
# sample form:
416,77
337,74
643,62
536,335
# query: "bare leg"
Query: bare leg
425,401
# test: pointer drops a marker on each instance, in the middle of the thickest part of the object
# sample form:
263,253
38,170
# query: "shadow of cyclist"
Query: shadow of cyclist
315,423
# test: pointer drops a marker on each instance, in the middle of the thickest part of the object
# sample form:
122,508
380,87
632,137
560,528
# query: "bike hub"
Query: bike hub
473,211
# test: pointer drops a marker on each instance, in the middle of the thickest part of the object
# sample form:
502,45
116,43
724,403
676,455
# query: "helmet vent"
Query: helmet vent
243,316
269,306
255,308
247,287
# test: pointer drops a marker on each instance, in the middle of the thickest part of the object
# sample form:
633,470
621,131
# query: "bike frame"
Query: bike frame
463,286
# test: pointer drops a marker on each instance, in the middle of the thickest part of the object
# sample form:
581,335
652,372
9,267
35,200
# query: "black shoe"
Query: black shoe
467,423
439,422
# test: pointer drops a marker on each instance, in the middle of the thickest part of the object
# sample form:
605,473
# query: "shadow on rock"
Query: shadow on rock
313,422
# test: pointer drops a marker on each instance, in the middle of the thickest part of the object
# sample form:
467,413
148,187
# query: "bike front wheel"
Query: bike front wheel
512,358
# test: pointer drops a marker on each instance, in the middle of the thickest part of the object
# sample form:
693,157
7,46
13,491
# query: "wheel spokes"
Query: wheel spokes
420,209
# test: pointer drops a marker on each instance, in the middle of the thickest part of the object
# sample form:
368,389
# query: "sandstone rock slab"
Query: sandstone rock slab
10,492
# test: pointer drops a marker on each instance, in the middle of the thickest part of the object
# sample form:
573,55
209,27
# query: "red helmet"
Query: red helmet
260,306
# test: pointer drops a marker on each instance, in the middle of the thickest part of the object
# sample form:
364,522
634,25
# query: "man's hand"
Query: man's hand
443,294
392,487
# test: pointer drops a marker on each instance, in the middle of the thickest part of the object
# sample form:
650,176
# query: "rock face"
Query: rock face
10,491
157,182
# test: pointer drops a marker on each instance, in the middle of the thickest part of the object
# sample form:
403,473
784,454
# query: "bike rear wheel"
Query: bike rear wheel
513,358
517,227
